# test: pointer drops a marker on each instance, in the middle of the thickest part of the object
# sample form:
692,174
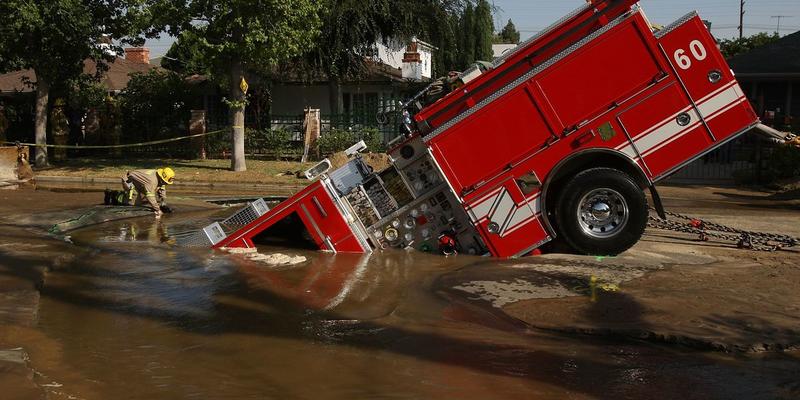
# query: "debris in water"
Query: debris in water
277,259
242,250
271,259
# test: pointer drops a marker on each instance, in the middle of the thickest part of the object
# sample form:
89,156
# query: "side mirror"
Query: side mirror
319,169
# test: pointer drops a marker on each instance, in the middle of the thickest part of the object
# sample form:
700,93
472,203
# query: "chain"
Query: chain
758,241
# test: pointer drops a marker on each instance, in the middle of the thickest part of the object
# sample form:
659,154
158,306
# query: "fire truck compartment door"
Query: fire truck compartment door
665,130
482,146
326,224
508,221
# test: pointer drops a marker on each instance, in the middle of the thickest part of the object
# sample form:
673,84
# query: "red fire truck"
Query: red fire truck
558,138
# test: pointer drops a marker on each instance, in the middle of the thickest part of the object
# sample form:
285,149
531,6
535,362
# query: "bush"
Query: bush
784,162
338,140
155,105
277,142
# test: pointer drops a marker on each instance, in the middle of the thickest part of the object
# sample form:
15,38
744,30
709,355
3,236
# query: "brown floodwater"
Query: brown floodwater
135,317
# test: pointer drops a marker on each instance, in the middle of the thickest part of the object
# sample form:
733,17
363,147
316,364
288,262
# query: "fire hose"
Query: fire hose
752,240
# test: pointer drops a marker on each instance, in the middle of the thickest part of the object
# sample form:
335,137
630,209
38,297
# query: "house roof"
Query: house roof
375,72
778,59
114,79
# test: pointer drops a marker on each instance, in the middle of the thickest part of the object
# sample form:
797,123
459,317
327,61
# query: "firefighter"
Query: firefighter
149,185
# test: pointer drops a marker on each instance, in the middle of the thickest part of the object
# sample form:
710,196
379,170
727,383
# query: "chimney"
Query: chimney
140,55
412,62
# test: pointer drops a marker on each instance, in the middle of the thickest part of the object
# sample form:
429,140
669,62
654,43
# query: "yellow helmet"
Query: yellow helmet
167,175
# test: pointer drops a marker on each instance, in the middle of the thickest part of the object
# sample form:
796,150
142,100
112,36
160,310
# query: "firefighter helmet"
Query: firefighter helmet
167,175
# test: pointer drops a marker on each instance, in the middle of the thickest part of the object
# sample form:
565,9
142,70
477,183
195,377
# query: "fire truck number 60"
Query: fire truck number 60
698,51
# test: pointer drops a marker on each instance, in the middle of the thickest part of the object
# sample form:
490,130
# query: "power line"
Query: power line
779,17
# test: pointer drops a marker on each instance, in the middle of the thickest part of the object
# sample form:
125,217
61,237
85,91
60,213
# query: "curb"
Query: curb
277,188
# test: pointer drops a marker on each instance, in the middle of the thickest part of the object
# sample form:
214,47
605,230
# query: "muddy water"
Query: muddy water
137,318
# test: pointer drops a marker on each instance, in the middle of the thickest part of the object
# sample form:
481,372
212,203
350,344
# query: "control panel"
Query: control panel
421,225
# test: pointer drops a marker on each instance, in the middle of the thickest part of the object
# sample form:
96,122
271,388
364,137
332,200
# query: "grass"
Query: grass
185,170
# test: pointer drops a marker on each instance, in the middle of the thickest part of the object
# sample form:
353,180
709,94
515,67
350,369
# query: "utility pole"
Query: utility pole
741,19
778,17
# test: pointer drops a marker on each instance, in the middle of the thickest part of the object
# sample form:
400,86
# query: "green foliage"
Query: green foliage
260,34
476,33
243,36
509,34
445,37
87,93
155,105
278,143
189,55
784,162
54,37
484,31
466,44
339,140
351,28
273,141
733,47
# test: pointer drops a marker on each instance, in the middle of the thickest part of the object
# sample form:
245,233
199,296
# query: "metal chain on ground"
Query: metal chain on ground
759,241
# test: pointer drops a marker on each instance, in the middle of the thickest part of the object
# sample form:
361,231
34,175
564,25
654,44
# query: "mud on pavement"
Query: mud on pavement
670,288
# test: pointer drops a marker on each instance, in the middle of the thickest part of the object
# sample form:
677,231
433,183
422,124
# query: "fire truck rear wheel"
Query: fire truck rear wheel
601,211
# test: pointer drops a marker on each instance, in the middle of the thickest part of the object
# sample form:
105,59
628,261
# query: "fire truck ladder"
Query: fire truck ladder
218,231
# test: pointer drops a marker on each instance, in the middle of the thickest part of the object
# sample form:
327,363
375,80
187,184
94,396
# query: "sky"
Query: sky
531,16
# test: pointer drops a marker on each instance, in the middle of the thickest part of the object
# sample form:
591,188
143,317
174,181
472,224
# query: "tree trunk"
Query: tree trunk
42,99
237,116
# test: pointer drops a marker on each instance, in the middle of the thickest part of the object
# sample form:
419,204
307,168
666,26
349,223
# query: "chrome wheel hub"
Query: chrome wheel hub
603,213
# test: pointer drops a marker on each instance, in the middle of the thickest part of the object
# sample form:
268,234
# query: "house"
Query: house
17,89
770,76
393,68
114,79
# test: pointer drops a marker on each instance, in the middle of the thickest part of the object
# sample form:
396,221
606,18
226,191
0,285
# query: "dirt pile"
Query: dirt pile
378,161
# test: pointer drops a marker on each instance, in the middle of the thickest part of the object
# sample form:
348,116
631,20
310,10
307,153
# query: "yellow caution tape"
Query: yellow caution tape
118,146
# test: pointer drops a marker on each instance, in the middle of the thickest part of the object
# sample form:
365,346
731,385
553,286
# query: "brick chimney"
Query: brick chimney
412,62
139,55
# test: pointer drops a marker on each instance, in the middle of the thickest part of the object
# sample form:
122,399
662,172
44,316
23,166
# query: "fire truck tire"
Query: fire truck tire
601,211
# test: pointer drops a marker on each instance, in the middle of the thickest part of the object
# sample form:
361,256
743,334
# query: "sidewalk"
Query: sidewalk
89,184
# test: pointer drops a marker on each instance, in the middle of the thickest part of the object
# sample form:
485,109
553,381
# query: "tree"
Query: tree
154,103
732,47
53,39
189,55
351,29
444,36
243,36
484,31
509,34
467,43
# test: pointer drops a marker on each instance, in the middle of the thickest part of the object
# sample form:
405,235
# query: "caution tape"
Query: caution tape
118,146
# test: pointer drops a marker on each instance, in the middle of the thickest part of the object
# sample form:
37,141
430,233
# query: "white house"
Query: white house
414,59
394,67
